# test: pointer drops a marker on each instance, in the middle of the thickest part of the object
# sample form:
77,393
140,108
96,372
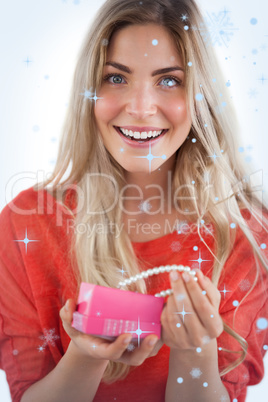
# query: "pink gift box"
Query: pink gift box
109,312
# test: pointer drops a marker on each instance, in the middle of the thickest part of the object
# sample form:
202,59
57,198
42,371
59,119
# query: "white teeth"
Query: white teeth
141,135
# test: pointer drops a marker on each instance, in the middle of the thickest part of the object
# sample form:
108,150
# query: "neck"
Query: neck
154,187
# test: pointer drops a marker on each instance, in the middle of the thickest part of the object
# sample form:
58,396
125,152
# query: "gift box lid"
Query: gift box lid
105,302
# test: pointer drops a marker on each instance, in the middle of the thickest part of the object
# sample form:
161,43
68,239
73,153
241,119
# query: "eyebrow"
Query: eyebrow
154,73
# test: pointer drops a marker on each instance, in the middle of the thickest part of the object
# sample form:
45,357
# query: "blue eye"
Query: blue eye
118,79
170,82
114,79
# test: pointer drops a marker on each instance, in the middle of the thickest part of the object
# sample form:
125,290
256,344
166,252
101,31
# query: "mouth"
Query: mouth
141,137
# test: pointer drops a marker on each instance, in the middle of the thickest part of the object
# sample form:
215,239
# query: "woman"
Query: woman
144,124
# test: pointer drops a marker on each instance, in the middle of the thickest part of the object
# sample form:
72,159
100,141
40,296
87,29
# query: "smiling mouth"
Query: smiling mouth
141,137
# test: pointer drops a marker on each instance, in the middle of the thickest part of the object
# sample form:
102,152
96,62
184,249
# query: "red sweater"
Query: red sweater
36,280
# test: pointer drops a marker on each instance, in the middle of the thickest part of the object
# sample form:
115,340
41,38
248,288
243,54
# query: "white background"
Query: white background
34,95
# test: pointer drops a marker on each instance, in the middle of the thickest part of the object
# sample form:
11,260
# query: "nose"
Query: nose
141,103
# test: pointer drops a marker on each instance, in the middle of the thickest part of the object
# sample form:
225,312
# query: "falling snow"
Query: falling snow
175,246
262,323
150,157
244,285
145,206
49,338
219,29
183,313
130,347
224,291
252,93
196,373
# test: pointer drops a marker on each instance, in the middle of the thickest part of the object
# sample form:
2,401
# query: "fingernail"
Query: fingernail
127,340
174,276
152,342
186,277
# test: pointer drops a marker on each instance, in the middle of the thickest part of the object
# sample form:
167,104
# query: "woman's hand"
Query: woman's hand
101,349
191,317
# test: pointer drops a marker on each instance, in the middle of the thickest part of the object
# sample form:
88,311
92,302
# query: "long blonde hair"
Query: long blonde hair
84,159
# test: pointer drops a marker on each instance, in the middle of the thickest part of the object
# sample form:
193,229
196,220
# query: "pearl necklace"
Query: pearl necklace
156,271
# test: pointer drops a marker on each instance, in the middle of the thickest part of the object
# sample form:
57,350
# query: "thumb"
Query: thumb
66,312
66,315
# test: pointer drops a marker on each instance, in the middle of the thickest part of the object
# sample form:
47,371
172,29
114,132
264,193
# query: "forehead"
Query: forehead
143,42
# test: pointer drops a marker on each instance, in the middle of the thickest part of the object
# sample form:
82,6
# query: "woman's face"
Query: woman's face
142,114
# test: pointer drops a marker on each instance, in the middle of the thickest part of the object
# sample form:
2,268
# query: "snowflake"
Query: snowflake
206,339
244,285
196,373
49,338
145,206
208,231
175,246
263,47
218,29
245,377
184,17
252,93
130,347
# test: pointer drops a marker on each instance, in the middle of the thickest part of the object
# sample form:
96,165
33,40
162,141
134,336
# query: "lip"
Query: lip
136,144
141,129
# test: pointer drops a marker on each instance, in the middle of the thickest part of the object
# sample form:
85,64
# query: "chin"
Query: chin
141,167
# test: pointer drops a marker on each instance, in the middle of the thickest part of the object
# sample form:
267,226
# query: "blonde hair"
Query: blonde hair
81,150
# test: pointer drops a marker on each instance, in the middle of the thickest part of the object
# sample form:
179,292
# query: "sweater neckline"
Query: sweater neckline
168,243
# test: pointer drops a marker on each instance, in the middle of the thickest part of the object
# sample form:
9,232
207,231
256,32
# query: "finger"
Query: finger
205,310
208,288
157,347
66,315
114,350
189,329
141,353
173,331
66,312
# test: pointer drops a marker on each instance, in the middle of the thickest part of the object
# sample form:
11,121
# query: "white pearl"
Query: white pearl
187,269
156,271
169,292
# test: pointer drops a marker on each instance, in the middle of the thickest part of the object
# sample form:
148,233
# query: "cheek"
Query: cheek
176,110
106,109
